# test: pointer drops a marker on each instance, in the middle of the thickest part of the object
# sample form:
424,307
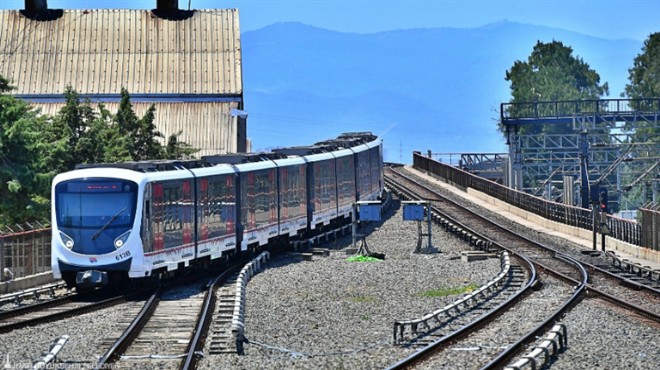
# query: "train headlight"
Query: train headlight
119,242
68,242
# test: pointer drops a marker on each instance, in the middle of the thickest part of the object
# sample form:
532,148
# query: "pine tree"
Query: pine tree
23,183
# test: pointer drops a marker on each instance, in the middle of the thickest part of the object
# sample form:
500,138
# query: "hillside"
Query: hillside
304,84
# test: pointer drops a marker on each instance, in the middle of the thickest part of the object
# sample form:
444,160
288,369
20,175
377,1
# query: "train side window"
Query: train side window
145,229
147,214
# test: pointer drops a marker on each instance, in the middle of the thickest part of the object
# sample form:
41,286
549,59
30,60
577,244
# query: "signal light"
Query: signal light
602,200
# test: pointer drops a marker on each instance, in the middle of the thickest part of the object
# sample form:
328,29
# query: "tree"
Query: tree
644,84
552,73
71,127
24,181
146,137
644,76
33,147
177,149
96,135
145,143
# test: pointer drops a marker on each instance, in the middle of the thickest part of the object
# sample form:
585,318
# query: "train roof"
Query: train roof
146,166
173,165
357,141
239,158
346,140
365,135
301,150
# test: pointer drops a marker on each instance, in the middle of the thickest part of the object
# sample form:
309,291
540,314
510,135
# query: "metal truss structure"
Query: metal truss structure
492,166
613,143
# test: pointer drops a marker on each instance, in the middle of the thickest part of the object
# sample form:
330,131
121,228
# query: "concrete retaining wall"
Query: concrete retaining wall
587,235
23,283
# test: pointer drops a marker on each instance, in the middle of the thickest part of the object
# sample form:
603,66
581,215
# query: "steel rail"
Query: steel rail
620,302
584,286
204,320
514,348
131,332
464,227
628,282
62,314
499,361
31,292
474,325
467,329
591,288
36,307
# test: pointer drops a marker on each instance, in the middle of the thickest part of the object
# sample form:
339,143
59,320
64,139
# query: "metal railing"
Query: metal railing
625,230
650,223
571,108
25,249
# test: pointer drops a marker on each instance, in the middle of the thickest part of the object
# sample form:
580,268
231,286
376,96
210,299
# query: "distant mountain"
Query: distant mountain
419,89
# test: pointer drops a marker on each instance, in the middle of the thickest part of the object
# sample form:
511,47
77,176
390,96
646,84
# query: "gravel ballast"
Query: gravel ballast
331,313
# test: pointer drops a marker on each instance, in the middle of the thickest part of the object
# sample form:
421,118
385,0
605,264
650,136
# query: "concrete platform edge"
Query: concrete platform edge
610,243
577,235
27,282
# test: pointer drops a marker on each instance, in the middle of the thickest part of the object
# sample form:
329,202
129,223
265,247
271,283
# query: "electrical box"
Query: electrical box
369,212
413,212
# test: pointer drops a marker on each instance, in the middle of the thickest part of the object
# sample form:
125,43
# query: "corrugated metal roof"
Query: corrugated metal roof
206,126
101,51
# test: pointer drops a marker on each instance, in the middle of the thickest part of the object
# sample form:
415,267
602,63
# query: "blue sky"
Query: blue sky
610,19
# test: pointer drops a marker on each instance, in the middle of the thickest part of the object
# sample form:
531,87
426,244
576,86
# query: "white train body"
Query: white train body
134,220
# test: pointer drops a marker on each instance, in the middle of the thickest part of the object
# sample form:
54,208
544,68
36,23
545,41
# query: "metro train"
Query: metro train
149,219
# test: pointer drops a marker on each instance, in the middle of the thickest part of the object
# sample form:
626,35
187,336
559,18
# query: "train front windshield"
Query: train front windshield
95,216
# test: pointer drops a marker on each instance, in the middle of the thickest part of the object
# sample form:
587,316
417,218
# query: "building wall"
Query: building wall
190,68
208,126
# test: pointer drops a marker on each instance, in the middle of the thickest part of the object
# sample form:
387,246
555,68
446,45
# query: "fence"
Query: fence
628,231
25,249
650,220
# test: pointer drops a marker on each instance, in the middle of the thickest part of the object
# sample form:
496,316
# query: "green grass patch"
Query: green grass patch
362,299
361,258
445,291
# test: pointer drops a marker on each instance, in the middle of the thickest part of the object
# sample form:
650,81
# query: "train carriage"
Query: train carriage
362,168
140,219
292,202
345,174
258,205
322,186
216,210
120,222
376,169
168,238
93,217
368,158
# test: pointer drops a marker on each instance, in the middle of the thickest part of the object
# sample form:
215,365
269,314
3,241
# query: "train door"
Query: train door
158,217
187,214
145,229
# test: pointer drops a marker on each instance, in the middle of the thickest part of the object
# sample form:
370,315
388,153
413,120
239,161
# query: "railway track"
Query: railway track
57,309
444,324
547,302
169,330
613,287
562,267
32,296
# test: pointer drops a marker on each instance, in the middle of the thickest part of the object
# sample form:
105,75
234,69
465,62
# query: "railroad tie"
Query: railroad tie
223,340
